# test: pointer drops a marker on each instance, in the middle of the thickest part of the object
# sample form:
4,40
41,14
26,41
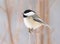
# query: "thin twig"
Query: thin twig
3,38
2,9
53,3
9,23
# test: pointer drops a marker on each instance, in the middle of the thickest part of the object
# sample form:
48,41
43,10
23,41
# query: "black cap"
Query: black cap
28,10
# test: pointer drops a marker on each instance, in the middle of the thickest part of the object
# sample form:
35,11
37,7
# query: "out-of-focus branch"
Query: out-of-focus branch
42,17
38,35
40,10
46,18
3,38
48,36
3,9
9,22
53,3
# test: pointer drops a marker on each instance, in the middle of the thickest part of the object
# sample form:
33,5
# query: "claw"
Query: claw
30,30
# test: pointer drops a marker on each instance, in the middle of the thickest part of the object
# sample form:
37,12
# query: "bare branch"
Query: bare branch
3,38
9,22
3,9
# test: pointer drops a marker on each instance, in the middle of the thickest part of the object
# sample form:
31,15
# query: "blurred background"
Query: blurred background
12,28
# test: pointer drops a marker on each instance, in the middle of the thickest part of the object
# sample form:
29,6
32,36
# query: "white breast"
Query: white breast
30,23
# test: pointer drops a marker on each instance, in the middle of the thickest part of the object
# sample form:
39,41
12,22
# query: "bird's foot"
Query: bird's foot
30,30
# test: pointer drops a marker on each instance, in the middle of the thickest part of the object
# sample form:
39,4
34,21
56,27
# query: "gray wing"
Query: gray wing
37,18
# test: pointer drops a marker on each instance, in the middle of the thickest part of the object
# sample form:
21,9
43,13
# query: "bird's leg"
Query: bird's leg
30,30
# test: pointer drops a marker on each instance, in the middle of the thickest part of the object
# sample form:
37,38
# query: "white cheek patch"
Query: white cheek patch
29,14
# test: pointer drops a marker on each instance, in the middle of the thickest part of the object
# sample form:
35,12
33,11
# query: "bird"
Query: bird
31,20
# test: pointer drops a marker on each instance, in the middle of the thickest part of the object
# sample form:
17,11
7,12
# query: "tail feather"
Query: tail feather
47,26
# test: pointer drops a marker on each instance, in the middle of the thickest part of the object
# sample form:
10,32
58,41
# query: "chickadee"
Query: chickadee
31,20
